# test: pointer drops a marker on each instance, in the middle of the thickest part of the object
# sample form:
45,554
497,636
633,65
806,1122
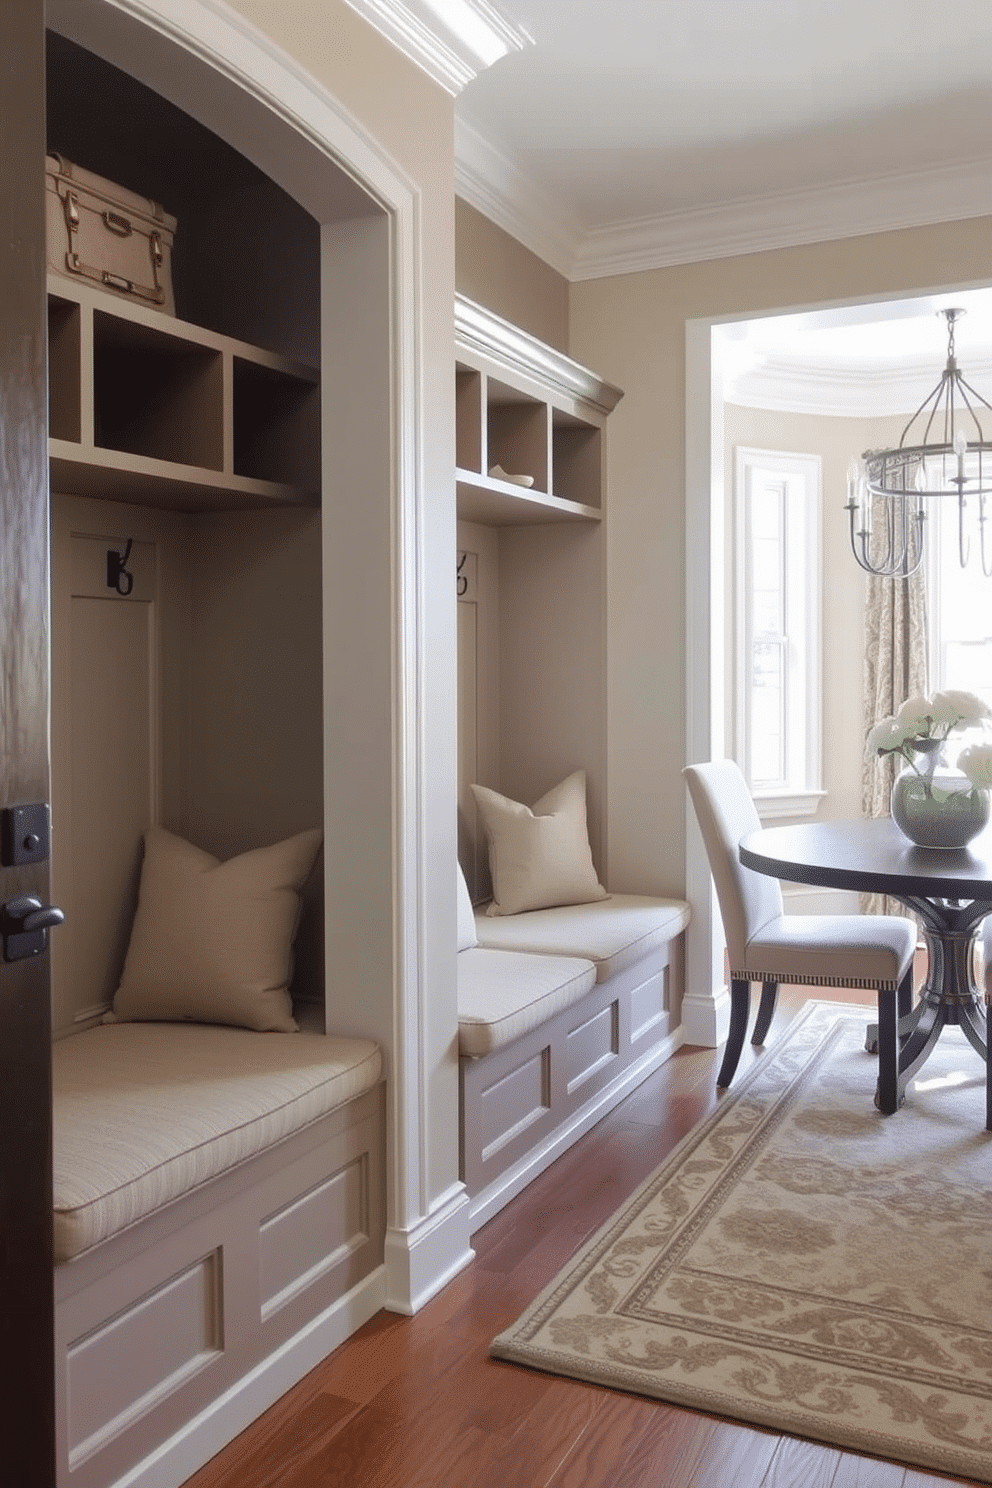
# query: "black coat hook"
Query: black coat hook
118,576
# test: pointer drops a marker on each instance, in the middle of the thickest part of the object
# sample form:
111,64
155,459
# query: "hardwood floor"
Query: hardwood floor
416,1402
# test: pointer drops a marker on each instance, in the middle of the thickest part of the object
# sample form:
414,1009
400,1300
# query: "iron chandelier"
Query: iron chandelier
942,453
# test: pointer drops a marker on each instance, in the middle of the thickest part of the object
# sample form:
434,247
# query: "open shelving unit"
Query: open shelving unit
532,411
148,409
531,572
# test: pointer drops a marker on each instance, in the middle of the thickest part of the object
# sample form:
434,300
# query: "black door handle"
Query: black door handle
24,926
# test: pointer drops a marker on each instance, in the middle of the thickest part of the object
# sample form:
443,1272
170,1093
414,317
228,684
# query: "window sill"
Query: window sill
788,803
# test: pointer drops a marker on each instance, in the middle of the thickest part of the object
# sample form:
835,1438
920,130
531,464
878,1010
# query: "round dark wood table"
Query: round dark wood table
950,890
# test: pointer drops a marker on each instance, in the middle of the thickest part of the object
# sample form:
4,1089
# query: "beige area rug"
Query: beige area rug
801,1262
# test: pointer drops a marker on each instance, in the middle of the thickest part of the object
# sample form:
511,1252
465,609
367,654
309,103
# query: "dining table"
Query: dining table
949,890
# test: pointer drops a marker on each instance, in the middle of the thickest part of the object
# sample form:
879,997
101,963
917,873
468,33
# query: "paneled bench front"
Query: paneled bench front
219,1224
561,1012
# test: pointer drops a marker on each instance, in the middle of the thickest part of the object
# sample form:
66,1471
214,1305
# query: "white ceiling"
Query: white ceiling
860,361
615,135
695,128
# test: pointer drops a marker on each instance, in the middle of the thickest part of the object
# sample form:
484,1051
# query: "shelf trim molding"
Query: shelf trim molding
481,330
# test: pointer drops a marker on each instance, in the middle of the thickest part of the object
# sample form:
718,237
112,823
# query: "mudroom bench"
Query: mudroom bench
561,1013
219,1224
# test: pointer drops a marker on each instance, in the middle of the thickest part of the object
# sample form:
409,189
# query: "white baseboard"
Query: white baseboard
422,1260
509,1184
183,1454
706,1018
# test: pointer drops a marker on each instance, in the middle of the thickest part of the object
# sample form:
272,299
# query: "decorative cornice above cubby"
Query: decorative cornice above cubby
497,338
451,40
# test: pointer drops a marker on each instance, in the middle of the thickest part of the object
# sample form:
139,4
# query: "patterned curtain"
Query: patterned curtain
895,669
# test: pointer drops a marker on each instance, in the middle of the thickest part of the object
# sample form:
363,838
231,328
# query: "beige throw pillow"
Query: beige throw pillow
212,941
467,937
539,856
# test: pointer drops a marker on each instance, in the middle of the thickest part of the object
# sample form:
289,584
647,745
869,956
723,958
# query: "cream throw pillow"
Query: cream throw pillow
467,937
212,941
539,857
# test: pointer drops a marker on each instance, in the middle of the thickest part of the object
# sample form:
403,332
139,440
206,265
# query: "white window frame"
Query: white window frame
801,476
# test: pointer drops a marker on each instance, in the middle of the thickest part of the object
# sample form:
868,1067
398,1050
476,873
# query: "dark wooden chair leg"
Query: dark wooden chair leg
887,1095
905,995
740,1006
766,1012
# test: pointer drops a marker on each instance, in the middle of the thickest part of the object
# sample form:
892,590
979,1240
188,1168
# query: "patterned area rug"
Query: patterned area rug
803,1263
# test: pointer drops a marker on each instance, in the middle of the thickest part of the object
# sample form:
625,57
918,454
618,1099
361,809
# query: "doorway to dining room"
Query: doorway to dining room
831,382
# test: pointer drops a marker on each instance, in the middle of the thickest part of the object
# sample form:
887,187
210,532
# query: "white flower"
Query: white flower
887,736
976,762
955,707
922,724
914,715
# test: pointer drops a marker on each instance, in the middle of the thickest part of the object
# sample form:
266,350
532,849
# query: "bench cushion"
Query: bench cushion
613,933
504,994
145,1112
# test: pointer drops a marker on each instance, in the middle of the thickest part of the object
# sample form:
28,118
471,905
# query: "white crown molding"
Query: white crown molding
789,219
481,330
495,185
784,385
451,40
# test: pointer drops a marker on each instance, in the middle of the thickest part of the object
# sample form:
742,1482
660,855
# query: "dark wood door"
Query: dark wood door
27,1399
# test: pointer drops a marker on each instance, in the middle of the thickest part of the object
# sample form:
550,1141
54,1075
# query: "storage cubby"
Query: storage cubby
517,433
469,451
156,393
577,458
64,366
276,424
530,585
532,411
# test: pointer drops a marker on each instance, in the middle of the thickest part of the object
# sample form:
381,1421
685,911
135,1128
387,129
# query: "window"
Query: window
959,601
777,676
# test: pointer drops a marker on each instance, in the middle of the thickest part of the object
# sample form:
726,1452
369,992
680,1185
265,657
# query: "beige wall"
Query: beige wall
631,329
496,271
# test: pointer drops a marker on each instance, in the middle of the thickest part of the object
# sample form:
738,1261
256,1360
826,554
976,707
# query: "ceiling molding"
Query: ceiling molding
498,187
790,385
451,40
786,220
493,183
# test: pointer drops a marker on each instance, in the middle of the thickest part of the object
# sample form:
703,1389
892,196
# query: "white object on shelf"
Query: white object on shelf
498,473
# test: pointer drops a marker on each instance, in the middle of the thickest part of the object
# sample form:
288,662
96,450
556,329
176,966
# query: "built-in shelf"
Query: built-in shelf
532,411
150,409
498,503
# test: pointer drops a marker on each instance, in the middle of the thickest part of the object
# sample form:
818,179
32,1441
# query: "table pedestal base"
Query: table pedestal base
950,995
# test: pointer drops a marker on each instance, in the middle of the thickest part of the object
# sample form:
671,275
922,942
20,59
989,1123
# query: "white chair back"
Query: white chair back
725,812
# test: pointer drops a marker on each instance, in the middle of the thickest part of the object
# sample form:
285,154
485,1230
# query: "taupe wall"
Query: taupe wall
194,702
631,329
495,270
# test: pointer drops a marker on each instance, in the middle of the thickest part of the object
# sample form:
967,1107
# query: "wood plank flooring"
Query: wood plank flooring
416,1402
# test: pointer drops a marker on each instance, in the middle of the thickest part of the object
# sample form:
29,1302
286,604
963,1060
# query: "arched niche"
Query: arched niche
208,63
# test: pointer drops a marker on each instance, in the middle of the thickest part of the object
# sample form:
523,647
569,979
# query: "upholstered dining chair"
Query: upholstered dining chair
768,946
